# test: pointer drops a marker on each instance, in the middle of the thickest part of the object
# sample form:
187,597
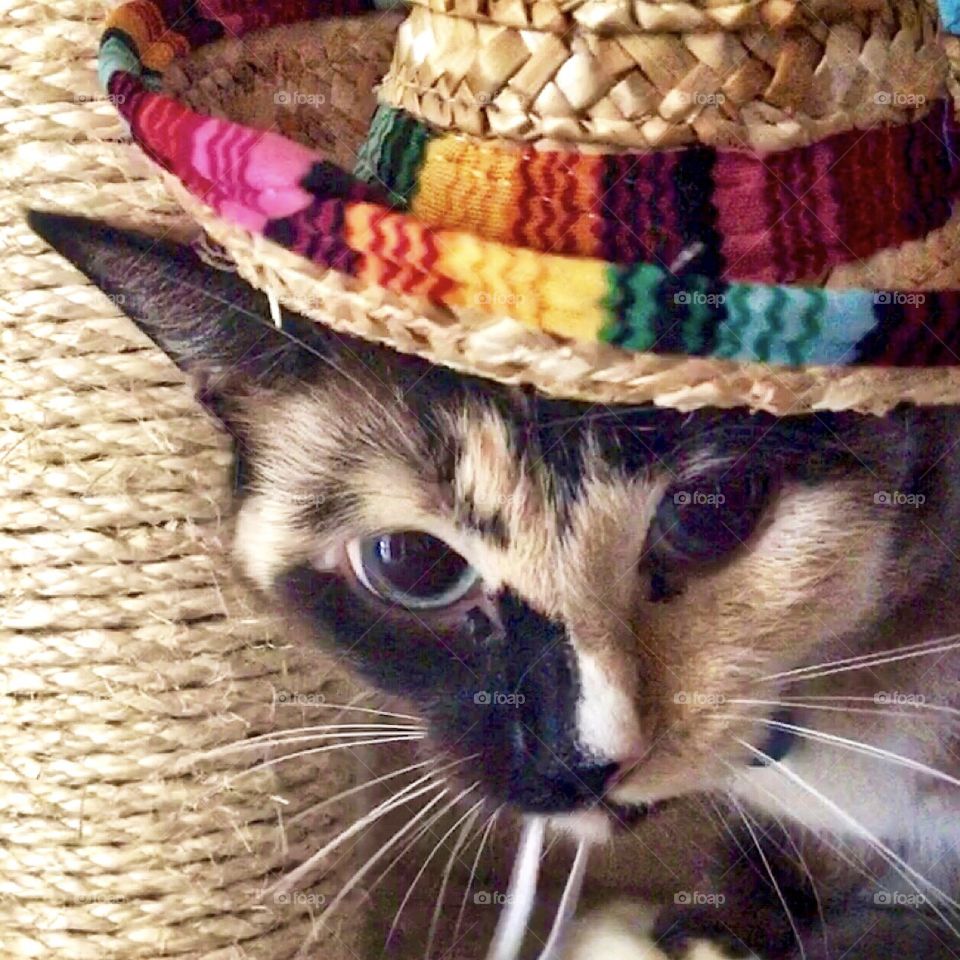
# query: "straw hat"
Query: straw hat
690,203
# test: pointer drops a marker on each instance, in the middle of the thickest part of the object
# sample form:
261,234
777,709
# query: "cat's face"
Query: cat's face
578,598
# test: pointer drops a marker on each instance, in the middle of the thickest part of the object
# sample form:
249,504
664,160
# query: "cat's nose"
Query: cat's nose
564,787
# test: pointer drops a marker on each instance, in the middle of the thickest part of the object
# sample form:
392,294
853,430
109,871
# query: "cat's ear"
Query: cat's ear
211,323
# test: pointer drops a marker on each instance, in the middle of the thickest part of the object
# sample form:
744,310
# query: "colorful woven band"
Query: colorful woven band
753,216
275,187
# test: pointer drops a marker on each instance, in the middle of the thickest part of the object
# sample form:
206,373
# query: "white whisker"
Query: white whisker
429,859
829,708
448,870
857,746
349,745
915,704
568,904
860,868
485,835
383,851
908,873
352,791
515,916
828,668
285,735
408,793
747,822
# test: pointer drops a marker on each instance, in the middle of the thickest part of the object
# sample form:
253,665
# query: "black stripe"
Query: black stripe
694,186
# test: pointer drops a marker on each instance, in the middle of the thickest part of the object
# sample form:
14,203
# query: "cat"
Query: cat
613,610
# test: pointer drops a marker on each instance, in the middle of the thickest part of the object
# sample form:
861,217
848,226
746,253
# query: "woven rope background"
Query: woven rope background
125,645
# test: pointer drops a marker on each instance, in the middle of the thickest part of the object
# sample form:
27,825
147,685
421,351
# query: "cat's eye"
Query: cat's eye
411,569
704,518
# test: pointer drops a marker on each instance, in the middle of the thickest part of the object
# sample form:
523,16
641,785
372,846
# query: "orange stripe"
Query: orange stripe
139,20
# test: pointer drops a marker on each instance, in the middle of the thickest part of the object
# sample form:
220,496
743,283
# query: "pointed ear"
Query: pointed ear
212,324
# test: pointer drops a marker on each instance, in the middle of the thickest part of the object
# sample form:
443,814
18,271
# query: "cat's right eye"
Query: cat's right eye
411,569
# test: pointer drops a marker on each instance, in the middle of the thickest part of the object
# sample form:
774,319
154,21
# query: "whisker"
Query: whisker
408,793
485,835
747,822
284,735
370,710
568,904
908,873
828,708
828,668
436,848
383,851
352,791
860,868
515,917
313,751
857,746
909,705
448,870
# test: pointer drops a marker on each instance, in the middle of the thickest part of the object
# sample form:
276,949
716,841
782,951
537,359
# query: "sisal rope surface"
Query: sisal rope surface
125,644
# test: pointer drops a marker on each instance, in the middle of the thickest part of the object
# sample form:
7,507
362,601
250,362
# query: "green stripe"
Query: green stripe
407,170
798,348
773,323
372,146
611,303
644,281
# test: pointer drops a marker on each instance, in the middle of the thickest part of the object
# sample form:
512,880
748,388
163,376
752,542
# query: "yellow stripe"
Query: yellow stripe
463,186
540,291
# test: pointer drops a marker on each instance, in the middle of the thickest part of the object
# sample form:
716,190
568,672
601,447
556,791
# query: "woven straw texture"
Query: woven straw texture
126,647
758,88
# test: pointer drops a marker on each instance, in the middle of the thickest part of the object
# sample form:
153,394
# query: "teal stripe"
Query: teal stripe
772,324
729,339
115,55
798,348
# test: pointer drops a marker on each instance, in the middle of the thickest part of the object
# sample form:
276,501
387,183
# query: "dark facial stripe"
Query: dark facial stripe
506,690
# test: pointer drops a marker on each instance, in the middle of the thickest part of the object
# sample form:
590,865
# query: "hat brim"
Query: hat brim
498,347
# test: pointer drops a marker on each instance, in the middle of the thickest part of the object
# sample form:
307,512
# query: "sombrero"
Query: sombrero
716,202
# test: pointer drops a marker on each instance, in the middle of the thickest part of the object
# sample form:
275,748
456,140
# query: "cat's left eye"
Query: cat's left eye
704,518
411,569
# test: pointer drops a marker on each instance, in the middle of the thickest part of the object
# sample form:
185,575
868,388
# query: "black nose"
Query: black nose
560,787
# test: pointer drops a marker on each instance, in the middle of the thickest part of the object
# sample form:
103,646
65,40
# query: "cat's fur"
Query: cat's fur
614,648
